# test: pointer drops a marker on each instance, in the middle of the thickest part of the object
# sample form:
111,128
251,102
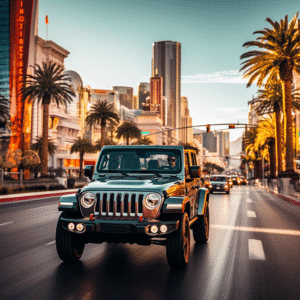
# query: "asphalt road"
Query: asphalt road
252,253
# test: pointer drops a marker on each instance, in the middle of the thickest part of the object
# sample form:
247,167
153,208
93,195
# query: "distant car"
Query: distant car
229,181
235,179
219,183
243,180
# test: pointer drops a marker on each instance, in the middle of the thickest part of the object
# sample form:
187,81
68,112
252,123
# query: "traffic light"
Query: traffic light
231,126
207,128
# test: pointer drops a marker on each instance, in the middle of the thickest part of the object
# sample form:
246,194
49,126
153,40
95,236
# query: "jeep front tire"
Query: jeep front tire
69,245
201,228
178,244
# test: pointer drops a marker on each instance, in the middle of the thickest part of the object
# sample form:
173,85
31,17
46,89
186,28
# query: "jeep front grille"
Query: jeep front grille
119,204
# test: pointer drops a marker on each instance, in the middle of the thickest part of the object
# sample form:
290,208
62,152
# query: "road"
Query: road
252,253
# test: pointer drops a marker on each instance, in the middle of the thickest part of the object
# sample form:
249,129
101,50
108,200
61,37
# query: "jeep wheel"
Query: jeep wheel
69,247
178,244
201,228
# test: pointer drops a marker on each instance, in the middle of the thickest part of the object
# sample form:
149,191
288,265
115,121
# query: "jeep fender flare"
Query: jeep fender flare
202,199
175,205
68,203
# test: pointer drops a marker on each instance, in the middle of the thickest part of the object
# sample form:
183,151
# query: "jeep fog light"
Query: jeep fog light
153,229
87,200
79,227
163,228
71,226
152,200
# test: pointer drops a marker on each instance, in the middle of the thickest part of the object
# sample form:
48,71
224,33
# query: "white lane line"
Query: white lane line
50,243
254,229
256,250
249,200
5,223
251,214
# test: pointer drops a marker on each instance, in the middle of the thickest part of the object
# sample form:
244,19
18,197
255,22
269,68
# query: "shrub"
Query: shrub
56,187
3,191
37,188
19,189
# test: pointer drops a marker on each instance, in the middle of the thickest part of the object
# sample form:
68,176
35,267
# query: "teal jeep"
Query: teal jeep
137,194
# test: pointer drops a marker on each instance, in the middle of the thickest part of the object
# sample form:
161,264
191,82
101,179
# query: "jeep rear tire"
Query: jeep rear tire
178,244
201,228
69,246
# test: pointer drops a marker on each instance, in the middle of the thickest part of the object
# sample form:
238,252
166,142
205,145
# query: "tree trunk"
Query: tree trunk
102,135
272,154
288,128
44,150
80,163
278,137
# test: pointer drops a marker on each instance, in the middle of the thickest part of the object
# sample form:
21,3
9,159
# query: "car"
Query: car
137,194
235,179
219,183
243,180
230,181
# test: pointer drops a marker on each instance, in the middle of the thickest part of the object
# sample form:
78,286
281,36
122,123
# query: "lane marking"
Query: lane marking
249,200
251,214
256,250
5,223
50,243
254,229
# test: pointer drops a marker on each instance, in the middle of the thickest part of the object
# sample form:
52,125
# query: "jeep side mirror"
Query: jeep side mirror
195,171
89,171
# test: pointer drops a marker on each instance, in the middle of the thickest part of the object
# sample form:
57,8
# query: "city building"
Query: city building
143,93
253,118
185,134
125,95
166,63
156,94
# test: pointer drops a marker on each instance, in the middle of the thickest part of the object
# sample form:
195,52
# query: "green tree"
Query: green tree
251,151
269,100
101,113
38,146
278,55
106,142
128,130
48,83
143,141
82,145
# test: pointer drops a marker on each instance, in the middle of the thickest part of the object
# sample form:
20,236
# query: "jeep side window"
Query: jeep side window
186,164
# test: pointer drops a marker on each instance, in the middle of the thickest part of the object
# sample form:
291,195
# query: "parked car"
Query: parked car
219,183
137,194
243,180
235,179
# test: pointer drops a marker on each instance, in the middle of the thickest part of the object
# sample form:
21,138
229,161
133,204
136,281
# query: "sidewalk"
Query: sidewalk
36,195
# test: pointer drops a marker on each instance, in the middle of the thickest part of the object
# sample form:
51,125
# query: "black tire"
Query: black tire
227,192
211,192
178,244
69,246
201,228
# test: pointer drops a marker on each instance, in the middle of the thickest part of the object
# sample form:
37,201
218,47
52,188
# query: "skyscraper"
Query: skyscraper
166,62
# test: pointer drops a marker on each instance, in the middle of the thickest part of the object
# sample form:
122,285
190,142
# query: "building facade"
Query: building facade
143,93
166,63
185,134
125,95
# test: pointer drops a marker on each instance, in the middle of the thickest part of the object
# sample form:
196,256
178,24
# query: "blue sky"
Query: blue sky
110,43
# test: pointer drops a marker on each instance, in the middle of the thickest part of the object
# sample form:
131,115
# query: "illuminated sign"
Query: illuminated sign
144,132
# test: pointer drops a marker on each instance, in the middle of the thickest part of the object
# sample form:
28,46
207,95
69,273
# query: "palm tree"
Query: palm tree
81,145
102,112
269,100
249,139
48,83
4,108
279,57
38,145
143,141
128,130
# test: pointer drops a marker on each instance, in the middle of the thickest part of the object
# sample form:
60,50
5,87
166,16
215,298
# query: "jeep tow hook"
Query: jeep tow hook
141,219
91,217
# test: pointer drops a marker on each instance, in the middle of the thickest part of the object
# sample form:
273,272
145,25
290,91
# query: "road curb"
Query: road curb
19,197
285,198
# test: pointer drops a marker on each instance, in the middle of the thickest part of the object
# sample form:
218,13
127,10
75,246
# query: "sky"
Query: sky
110,44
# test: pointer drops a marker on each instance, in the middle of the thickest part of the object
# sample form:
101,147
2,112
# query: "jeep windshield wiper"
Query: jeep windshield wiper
149,171
118,171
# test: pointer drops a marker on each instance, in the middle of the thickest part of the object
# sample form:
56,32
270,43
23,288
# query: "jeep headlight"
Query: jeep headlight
88,200
152,201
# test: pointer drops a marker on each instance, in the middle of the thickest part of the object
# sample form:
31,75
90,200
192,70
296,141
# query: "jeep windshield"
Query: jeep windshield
156,161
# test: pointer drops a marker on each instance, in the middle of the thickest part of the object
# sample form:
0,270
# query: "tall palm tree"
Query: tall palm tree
249,139
102,112
279,57
81,145
4,108
38,145
128,130
269,100
48,83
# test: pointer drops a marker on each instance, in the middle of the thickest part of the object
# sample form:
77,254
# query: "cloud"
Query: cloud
230,76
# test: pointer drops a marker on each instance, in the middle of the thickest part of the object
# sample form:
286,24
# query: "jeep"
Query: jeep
137,194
